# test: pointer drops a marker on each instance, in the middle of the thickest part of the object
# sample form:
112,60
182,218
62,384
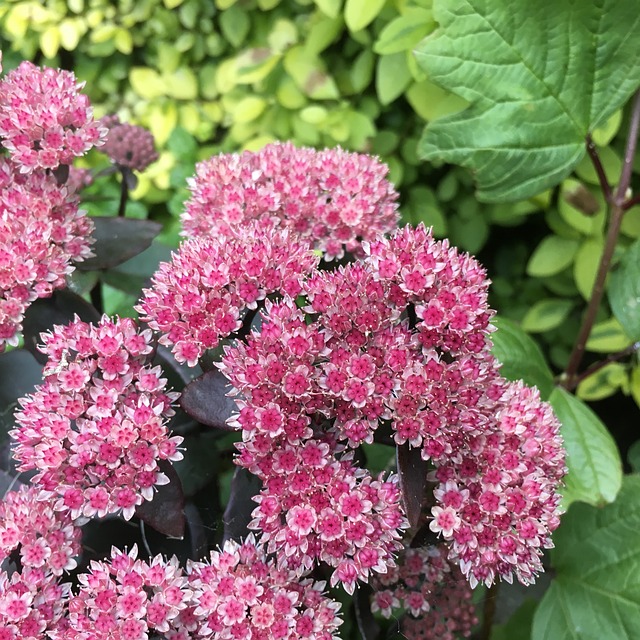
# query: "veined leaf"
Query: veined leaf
539,77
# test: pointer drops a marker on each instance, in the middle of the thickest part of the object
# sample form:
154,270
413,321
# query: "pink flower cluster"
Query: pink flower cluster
403,337
32,604
200,296
238,595
432,592
44,119
497,495
316,507
41,232
41,537
333,198
96,428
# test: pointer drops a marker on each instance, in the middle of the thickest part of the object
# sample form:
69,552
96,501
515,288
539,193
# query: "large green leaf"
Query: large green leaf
539,77
624,291
520,356
596,593
595,468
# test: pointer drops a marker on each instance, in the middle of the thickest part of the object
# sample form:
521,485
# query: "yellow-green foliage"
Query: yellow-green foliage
237,74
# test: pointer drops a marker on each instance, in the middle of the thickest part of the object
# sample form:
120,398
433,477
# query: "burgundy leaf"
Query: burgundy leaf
205,399
60,308
118,240
413,481
165,513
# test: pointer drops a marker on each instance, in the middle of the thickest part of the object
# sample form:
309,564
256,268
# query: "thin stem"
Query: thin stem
96,297
596,366
631,202
615,220
602,176
490,603
124,194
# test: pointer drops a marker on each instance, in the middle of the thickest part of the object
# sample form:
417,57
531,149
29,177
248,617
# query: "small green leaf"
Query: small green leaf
359,13
580,208
405,31
633,456
551,256
330,8
596,592
585,266
147,83
430,102
593,460
532,103
624,291
235,25
603,383
520,356
546,315
392,77
608,336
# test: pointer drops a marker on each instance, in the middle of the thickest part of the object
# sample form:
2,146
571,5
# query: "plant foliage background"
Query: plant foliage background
489,114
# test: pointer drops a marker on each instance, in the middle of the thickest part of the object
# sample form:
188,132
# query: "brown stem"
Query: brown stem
602,176
631,202
490,603
596,366
615,220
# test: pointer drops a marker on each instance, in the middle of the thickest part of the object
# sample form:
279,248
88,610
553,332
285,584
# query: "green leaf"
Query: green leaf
359,13
147,83
608,336
405,31
603,383
624,291
392,77
633,456
551,256
518,627
596,592
585,266
546,315
539,75
593,460
330,8
235,25
520,356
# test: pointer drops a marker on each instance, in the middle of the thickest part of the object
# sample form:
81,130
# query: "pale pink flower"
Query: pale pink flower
44,119
334,198
42,232
201,295
96,428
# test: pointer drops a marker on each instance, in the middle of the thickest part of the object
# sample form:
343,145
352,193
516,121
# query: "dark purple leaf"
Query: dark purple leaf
165,513
19,374
197,531
118,240
8,481
200,463
413,481
367,625
205,399
60,308
178,375
61,173
237,515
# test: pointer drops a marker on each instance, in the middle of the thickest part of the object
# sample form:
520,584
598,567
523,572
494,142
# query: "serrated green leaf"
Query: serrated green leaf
405,31
585,266
392,77
624,291
547,314
532,103
520,356
596,592
359,13
552,255
593,460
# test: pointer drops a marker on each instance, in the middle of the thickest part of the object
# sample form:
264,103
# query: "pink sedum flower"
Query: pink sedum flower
200,296
430,591
333,198
43,538
498,499
41,232
315,507
95,430
44,119
241,594
128,599
32,604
